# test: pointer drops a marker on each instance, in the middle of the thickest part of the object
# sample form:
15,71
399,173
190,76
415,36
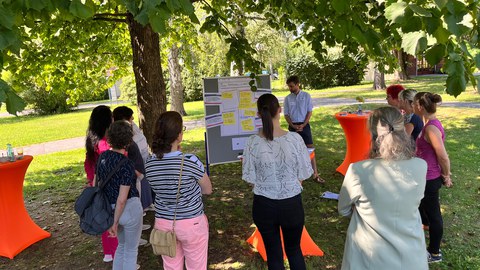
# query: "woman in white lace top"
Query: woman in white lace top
276,162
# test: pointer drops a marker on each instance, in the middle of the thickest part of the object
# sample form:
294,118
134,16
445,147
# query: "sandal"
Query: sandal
319,180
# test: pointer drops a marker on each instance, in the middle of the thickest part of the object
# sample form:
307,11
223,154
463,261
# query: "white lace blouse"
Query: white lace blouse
276,167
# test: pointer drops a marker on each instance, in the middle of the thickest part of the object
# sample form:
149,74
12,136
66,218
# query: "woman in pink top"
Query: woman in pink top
431,148
95,144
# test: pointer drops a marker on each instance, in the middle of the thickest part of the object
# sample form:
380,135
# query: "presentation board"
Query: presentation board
231,115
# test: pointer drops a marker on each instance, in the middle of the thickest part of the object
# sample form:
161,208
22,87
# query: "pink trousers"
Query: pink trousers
109,244
192,243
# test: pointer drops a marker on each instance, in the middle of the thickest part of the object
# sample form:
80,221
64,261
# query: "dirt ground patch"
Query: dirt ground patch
69,248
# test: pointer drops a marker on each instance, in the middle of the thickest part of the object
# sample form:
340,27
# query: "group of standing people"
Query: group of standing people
116,146
388,196
391,195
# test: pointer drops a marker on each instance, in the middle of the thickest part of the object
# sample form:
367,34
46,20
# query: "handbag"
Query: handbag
93,206
165,242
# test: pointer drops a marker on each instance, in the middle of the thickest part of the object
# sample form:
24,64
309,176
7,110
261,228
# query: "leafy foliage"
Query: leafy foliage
314,74
444,29
46,102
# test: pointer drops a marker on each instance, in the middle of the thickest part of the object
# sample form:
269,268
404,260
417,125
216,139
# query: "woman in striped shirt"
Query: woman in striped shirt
163,172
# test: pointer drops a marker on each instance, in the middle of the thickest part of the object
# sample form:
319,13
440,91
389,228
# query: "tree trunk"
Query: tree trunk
176,84
402,62
151,95
378,80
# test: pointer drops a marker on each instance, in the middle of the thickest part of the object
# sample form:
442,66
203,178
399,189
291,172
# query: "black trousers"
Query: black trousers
430,205
271,215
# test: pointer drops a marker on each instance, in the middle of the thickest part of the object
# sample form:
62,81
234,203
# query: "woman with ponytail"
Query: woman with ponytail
431,148
185,211
382,195
276,162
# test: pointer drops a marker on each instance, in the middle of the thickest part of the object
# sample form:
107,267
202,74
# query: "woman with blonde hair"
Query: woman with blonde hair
413,122
431,148
382,195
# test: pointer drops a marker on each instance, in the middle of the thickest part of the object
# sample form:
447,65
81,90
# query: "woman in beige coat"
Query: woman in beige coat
382,195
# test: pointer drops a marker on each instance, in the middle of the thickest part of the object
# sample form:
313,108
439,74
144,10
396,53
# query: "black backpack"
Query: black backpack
94,208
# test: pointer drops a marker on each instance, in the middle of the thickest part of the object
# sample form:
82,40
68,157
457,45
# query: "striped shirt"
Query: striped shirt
163,175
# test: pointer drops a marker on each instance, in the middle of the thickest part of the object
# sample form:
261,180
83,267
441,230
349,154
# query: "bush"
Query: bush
128,89
331,72
192,83
46,102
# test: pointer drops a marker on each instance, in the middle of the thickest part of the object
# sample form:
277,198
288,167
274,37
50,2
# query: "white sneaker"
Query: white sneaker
107,258
142,242
145,227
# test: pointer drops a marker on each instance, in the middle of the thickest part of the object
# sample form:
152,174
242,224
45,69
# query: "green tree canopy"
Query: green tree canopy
437,28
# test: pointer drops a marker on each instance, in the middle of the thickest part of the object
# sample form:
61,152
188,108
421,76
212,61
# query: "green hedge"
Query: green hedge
314,74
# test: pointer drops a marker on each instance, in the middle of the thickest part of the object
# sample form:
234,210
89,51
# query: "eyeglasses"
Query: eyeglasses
184,128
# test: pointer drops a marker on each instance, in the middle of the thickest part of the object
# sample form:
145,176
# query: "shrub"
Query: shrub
314,74
128,89
46,102
192,83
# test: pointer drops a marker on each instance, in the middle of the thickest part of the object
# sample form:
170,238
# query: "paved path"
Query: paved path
79,142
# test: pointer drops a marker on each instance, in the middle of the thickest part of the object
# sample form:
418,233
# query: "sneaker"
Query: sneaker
433,258
142,242
107,258
145,227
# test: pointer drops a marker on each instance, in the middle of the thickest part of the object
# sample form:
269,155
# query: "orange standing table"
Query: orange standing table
357,136
17,229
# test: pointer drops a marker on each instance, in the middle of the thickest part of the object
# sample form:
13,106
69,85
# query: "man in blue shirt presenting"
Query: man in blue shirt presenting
297,108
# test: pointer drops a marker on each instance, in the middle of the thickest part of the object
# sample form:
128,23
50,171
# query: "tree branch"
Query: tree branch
110,15
110,19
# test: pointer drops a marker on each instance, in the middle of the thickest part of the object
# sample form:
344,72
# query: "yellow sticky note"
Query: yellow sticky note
250,113
245,100
228,118
227,95
247,125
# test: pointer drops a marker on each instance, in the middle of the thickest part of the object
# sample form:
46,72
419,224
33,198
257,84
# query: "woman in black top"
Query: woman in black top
123,195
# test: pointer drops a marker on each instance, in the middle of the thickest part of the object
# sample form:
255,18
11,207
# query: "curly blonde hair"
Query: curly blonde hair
389,139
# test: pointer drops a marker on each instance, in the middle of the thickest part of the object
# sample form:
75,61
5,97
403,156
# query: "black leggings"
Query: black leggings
430,205
271,215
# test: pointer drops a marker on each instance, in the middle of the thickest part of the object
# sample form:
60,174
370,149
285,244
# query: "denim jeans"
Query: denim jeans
430,205
129,231
272,215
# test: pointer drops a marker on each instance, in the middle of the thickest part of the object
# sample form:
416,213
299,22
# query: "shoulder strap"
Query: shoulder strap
112,172
178,193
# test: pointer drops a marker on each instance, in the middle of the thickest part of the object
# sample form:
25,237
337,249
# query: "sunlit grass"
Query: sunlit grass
32,129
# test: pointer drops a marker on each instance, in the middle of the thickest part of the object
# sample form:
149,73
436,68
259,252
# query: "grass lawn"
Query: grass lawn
54,181
32,129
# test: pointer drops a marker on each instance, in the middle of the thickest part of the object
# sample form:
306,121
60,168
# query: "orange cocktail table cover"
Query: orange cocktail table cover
309,248
17,229
357,137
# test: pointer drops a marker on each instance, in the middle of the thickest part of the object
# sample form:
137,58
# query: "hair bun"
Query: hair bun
436,98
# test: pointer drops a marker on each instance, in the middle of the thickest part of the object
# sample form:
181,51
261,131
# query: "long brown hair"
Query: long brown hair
267,106
167,128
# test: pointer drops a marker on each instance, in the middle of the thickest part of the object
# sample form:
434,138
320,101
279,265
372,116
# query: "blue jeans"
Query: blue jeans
129,231
271,215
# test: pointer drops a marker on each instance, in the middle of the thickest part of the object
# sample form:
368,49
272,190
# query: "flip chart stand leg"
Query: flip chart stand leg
206,154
